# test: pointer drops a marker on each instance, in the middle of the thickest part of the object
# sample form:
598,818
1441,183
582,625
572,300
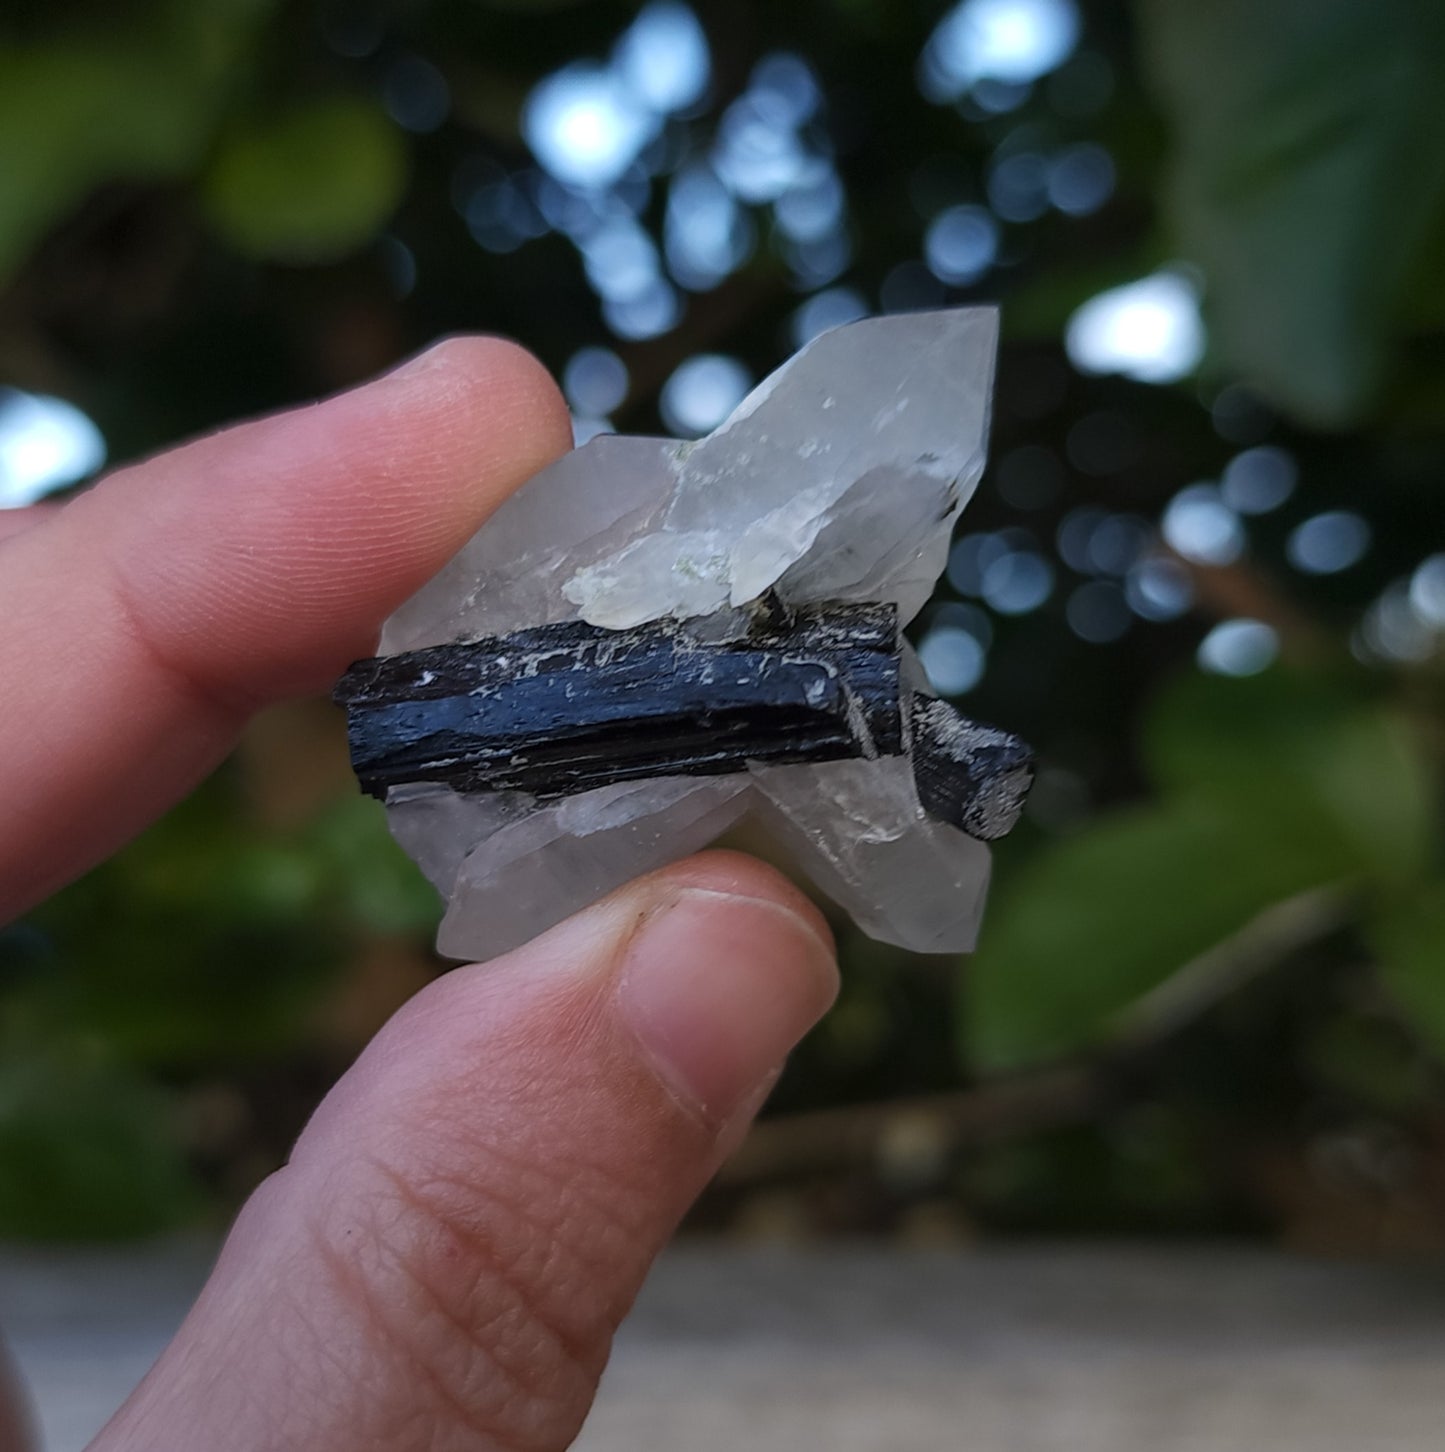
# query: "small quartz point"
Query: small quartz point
839,478
837,482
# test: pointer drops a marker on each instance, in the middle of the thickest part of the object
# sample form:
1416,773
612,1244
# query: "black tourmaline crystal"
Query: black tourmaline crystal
562,709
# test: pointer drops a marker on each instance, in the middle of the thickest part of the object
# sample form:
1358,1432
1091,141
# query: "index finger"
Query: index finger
148,618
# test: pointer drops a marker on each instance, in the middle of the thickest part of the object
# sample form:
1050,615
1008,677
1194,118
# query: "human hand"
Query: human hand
466,1219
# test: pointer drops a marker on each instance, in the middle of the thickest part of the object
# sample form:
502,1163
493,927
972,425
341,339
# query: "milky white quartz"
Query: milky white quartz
839,478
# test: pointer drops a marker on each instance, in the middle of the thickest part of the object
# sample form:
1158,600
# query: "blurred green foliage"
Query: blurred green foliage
1228,904
1266,788
1309,183
89,98
308,185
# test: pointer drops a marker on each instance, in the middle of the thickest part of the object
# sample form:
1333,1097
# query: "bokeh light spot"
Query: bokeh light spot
1395,628
962,615
758,154
1259,479
707,235
585,126
1239,415
1148,330
1076,530
828,309
785,84
910,286
416,94
1117,541
399,262
1427,591
621,260
1328,543
1013,41
970,557
1018,186
961,244
1239,648
648,314
1199,525
45,444
814,207
702,392
819,262
1018,582
1159,589
1098,612
501,216
952,658
595,381
663,58
1080,179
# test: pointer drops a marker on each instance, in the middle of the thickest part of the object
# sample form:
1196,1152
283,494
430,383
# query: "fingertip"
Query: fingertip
260,560
486,376
721,981
736,874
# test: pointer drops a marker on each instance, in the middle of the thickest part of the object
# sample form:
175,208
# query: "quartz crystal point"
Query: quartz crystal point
653,639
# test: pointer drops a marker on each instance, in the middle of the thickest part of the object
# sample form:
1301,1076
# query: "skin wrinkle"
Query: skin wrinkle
500,1333
362,1297
592,1230
227,707
522,1163
259,1323
443,1202
309,1334
489,1354
593,1191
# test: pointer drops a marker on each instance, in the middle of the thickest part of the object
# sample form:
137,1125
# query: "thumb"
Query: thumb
470,1213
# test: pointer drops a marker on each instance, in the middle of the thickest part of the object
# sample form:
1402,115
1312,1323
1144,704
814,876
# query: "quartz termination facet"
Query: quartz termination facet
654,639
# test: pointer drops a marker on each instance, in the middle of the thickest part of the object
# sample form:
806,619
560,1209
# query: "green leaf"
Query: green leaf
86,1150
132,102
1098,921
1309,164
371,882
201,943
309,185
1409,945
1286,745
1271,785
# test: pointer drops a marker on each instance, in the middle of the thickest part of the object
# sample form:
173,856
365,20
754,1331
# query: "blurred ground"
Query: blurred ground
1051,1348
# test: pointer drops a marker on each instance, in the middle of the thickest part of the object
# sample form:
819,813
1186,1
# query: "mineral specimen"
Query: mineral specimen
653,639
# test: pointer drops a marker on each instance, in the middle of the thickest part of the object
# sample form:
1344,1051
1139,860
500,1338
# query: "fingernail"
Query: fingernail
718,990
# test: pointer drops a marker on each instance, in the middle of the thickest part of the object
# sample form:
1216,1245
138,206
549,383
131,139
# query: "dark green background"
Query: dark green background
1211,991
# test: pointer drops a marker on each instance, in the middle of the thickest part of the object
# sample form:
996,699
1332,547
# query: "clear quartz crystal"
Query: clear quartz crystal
537,871
839,478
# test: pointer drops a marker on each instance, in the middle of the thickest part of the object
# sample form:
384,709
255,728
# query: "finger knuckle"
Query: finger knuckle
488,1284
